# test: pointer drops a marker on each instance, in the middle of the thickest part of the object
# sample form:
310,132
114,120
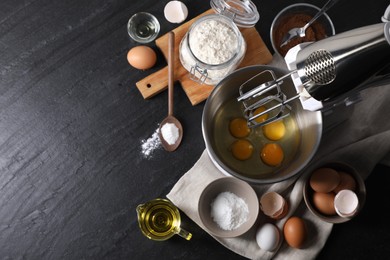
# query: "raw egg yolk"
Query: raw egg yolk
261,118
242,149
272,154
239,128
275,130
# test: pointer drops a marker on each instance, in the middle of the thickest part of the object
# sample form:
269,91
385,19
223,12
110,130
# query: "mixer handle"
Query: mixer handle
357,55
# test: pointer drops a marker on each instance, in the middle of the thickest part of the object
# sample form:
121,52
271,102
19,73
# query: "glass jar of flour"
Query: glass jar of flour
214,46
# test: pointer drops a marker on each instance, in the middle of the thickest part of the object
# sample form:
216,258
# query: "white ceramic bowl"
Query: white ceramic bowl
242,190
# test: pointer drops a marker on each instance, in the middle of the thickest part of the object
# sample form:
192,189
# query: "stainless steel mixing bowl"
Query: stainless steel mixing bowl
309,125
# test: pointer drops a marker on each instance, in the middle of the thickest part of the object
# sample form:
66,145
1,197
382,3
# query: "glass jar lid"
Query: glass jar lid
243,12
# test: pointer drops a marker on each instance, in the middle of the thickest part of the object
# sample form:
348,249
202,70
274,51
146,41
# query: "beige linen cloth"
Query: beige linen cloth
362,139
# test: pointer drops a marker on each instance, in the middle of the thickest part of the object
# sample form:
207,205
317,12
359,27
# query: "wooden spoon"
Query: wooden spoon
170,119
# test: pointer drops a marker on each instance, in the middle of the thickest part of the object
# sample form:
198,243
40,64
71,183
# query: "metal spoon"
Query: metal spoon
170,119
300,32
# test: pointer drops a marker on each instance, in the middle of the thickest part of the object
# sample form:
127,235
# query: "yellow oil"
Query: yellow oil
158,219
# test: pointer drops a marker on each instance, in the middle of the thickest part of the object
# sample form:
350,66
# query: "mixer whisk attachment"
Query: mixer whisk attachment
254,98
316,71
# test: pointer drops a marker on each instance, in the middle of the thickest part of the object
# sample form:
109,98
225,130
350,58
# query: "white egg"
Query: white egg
268,237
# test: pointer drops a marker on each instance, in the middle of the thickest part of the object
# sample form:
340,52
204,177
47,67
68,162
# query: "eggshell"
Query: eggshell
347,182
283,212
142,57
295,232
175,11
268,237
324,202
324,180
346,203
273,205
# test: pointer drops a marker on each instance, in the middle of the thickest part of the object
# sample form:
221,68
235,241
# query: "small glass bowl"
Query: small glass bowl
143,27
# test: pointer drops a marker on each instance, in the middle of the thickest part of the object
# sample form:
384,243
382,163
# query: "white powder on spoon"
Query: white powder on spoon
170,133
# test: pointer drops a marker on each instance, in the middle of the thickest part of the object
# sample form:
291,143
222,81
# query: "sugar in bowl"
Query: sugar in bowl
214,46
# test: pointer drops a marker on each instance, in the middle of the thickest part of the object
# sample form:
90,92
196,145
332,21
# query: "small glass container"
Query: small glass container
214,46
296,15
143,27
159,219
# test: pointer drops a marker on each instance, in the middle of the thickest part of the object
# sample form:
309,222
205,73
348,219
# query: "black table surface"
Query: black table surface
71,126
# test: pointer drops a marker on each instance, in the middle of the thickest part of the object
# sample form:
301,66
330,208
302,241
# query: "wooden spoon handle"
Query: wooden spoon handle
171,47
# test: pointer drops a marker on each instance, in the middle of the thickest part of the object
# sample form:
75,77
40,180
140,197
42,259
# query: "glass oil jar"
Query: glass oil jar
159,219
214,46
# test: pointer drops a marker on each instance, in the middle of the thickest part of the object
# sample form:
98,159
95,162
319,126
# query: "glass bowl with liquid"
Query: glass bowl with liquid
143,27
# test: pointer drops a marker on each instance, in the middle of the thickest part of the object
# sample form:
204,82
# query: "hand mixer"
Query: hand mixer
325,73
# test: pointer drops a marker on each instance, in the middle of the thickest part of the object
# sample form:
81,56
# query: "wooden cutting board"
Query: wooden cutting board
256,53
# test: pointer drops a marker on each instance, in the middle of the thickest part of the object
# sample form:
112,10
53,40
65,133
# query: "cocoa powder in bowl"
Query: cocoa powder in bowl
314,32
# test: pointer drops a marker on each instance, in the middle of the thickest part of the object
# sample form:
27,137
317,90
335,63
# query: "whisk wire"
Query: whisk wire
319,69
253,99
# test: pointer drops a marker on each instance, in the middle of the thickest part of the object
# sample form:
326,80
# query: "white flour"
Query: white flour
229,211
216,44
213,42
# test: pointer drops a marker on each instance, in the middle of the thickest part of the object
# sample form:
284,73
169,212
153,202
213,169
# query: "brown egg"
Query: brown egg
324,203
347,182
295,232
324,180
142,57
